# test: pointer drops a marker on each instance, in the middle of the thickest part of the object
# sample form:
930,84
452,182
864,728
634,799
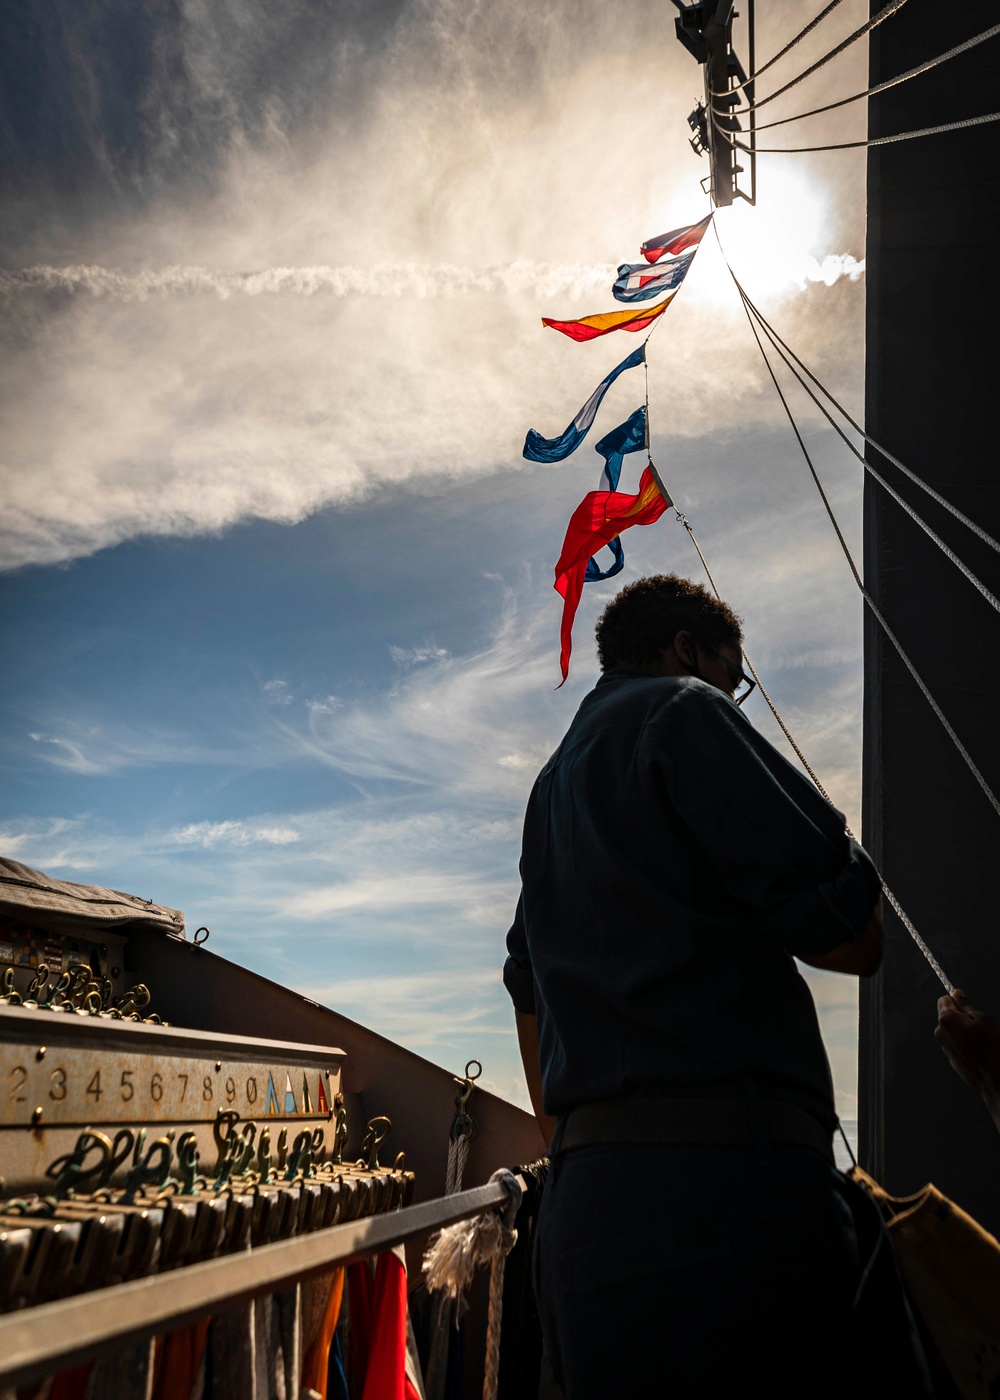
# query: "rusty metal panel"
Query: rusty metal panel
206,990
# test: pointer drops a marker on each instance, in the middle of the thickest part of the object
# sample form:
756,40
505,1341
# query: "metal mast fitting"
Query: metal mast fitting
705,28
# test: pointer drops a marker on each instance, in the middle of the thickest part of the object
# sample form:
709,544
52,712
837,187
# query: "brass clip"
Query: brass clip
69,1170
377,1132
463,1125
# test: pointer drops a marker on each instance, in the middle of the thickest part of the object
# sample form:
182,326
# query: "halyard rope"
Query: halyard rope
854,145
885,13
787,49
858,34
901,912
790,355
890,896
869,601
882,87
949,553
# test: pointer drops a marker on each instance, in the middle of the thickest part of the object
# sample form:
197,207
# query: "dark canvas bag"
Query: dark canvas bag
950,1267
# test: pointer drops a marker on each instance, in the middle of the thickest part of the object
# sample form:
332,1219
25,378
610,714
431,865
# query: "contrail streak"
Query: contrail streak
400,279
390,279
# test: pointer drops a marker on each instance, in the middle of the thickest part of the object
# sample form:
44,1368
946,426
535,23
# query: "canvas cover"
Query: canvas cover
32,898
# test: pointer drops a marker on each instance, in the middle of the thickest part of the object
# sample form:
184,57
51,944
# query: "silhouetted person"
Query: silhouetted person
695,1239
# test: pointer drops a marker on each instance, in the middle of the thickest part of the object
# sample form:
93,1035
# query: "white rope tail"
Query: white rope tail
455,1253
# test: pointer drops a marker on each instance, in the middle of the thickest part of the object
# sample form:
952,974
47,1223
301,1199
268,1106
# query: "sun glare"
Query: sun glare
777,245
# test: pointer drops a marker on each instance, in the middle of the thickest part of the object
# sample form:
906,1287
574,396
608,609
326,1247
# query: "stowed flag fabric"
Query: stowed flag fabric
539,449
675,241
629,436
588,327
598,519
640,282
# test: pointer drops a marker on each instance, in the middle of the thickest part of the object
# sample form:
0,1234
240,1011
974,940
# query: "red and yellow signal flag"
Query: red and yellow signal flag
631,319
597,520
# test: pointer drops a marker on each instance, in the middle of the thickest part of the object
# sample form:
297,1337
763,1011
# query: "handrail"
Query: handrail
38,1341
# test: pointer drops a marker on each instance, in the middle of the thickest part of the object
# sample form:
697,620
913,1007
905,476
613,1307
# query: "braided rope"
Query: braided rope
949,553
869,601
885,13
757,680
747,82
508,1238
900,911
458,1155
790,354
889,82
854,145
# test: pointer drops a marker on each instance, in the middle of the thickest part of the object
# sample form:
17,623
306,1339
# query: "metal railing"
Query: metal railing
38,1341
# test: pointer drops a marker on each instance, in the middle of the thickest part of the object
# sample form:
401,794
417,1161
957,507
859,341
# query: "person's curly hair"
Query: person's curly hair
640,622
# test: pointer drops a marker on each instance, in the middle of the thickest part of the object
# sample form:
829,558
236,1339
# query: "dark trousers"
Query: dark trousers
700,1271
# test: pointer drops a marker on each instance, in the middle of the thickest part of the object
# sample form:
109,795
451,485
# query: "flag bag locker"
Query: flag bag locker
161,1167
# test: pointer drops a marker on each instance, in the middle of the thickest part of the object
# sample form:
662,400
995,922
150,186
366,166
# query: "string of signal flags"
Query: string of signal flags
603,515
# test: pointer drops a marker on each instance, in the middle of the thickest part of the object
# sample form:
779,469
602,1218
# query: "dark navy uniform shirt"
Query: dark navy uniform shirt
673,862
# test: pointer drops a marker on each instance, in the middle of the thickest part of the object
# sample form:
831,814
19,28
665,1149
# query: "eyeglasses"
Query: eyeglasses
742,684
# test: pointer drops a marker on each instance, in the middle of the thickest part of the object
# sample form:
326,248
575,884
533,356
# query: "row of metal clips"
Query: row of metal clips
169,1210
78,990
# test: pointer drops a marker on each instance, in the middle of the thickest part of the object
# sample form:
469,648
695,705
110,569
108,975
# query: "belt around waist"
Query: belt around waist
725,1122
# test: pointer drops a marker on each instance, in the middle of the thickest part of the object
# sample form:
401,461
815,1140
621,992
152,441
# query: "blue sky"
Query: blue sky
280,634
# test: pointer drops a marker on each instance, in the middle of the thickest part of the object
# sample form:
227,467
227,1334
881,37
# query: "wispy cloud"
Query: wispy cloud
101,746
72,755
276,692
415,656
470,726
211,835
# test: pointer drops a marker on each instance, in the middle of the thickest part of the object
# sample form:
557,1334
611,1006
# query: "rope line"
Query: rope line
760,684
900,911
931,534
787,49
889,83
939,713
885,13
855,145
907,924
869,601
777,341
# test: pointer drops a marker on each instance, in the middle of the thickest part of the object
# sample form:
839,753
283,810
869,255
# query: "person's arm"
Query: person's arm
527,1039
518,980
775,843
970,1040
860,956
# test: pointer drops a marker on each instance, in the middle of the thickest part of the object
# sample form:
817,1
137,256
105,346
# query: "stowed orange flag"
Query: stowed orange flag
599,517
631,319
